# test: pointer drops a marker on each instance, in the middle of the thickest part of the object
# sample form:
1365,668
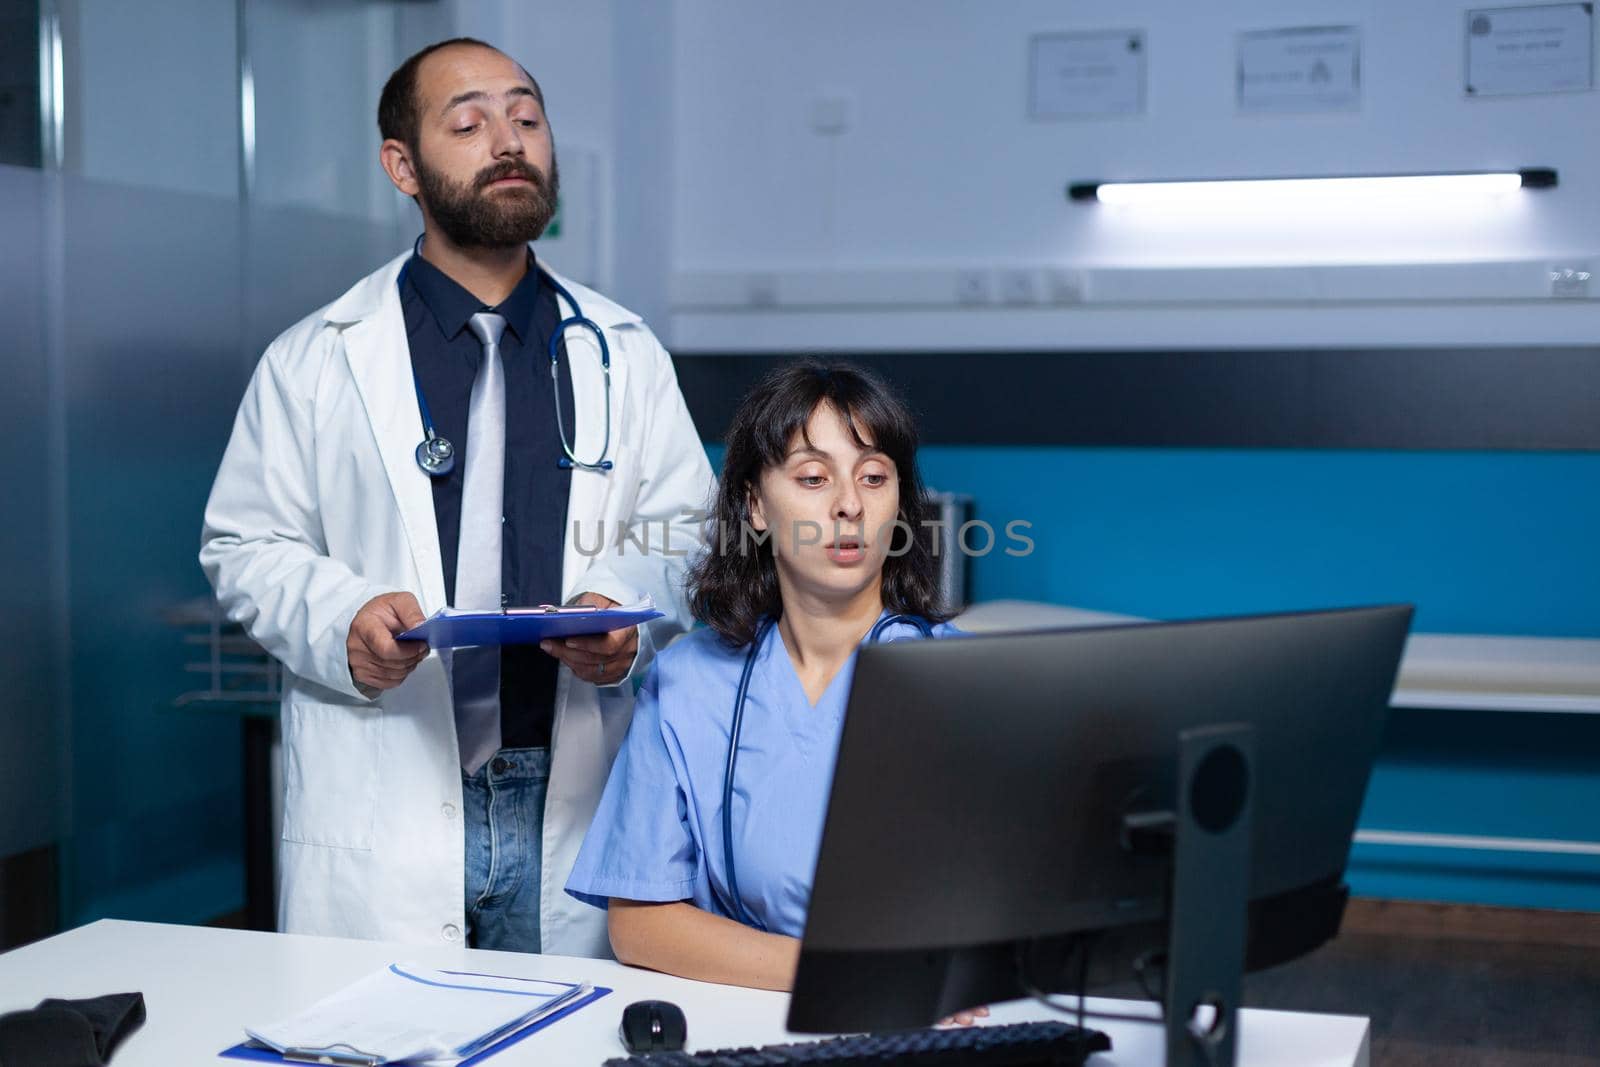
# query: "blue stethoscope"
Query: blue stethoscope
437,456
736,905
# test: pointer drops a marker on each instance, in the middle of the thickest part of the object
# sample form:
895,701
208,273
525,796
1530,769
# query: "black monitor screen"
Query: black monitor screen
979,822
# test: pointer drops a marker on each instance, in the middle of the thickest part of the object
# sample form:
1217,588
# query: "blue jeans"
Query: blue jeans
503,813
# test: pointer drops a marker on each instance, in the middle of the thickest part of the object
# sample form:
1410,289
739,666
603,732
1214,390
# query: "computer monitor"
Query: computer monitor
1004,802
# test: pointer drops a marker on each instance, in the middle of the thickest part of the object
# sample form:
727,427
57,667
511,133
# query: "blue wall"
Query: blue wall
1491,543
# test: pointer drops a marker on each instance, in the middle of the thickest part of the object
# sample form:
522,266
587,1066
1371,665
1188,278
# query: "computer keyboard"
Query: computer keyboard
1045,1044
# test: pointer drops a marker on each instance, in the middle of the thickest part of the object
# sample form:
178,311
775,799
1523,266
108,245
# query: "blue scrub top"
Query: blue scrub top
657,835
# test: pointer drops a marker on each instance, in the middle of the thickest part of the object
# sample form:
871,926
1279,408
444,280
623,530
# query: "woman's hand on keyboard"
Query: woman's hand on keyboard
965,1018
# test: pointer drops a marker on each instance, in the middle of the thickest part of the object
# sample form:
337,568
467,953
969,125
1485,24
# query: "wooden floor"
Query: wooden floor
1455,986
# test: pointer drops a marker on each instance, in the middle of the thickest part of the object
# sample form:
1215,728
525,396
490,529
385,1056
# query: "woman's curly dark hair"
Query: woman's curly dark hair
735,584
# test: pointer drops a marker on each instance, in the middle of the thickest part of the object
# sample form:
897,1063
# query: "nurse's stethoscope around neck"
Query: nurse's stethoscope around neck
736,903
437,456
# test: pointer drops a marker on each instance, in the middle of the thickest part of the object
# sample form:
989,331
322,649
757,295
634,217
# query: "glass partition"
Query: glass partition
142,277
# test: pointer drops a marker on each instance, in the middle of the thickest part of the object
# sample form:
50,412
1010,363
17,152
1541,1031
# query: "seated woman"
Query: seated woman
816,545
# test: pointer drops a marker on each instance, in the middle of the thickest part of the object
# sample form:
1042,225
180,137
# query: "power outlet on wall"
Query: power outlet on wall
1065,286
1570,281
762,290
831,114
1018,287
972,287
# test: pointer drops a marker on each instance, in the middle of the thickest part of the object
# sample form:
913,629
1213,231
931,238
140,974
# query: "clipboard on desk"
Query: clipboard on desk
449,628
413,1015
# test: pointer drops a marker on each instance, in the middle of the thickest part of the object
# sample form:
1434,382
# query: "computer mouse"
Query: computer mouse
653,1026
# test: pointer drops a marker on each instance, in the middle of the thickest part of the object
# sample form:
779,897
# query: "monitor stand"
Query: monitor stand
1209,841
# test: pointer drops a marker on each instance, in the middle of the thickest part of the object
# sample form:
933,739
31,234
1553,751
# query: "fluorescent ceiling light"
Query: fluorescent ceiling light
1262,191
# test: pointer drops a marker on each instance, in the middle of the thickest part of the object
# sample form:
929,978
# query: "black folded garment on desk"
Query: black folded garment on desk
69,1033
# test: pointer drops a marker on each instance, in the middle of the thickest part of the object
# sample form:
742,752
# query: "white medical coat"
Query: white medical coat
319,506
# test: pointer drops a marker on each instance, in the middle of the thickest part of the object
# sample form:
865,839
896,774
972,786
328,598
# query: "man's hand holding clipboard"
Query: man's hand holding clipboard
602,658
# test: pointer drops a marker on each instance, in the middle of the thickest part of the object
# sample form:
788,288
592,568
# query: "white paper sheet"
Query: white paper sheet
1309,69
1543,48
408,1013
1086,75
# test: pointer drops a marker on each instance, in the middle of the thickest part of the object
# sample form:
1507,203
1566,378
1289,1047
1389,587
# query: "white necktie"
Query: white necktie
475,675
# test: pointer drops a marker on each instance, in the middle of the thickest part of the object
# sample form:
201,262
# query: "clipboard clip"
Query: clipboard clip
332,1058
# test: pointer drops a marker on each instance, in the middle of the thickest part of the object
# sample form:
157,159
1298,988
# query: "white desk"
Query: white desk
202,985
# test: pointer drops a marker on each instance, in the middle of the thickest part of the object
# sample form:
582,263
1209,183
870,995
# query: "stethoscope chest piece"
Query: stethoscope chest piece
436,456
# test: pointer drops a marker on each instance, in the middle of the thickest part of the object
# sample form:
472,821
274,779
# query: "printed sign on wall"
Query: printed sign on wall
1544,49
1086,75
1315,68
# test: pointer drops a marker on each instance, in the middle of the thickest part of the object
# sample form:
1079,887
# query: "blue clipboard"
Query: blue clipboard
520,626
249,1050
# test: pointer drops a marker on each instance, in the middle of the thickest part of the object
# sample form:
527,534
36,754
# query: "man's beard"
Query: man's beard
471,217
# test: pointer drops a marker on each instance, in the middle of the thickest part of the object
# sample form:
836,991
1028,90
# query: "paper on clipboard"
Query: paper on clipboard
406,1013
450,628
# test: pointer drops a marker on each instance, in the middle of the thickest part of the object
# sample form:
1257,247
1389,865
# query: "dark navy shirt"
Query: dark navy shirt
445,355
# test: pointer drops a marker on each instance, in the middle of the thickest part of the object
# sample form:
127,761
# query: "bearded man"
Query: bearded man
447,433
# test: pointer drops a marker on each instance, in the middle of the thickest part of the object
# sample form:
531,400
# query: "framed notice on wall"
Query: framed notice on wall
1295,71
1086,75
1514,51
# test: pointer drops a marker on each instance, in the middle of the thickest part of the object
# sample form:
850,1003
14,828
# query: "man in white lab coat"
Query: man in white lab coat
438,796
